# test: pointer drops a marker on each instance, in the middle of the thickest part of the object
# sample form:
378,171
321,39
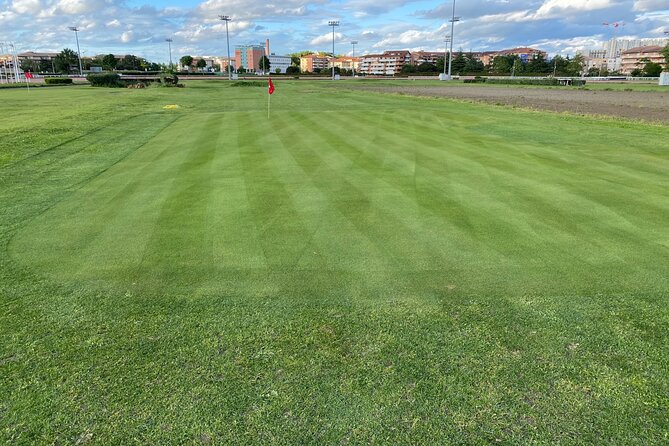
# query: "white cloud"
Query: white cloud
127,36
326,38
26,6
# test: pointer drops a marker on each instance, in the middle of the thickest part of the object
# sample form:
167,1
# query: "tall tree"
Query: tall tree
109,62
665,53
201,63
263,64
576,65
652,69
186,61
502,64
65,60
129,62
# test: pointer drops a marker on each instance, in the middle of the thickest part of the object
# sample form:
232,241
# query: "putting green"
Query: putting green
216,198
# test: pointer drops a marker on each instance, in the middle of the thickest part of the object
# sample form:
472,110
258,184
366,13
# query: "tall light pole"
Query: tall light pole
226,19
333,23
169,45
354,43
450,55
446,40
76,35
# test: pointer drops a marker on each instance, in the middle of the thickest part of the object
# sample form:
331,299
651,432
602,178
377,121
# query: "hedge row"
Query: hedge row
552,81
104,80
113,80
57,80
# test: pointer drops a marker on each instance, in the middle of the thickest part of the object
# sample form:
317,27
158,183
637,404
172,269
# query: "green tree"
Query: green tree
293,70
559,64
295,61
65,61
277,70
474,66
665,53
652,69
575,66
29,65
241,69
426,67
109,62
517,68
459,63
186,61
538,65
200,64
407,69
129,62
263,64
502,64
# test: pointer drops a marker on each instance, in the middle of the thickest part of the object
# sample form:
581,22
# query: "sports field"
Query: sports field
359,268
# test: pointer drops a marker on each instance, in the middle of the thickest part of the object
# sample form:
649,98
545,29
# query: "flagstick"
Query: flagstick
269,98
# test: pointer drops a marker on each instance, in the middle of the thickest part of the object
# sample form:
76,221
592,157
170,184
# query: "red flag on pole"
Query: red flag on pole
28,74
270,89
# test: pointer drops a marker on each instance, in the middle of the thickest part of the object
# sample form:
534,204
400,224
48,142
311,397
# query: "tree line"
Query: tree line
503,65
67,62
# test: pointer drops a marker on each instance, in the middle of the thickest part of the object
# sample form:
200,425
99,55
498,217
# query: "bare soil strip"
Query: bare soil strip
646,106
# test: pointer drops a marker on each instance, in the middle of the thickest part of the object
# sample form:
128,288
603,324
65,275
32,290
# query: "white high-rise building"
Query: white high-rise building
615,47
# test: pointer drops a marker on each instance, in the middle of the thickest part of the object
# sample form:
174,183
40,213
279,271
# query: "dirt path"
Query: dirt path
648,106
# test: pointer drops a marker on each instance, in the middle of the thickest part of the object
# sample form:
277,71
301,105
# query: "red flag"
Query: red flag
270,90
29,75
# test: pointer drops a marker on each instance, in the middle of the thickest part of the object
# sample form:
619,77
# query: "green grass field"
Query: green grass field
360,268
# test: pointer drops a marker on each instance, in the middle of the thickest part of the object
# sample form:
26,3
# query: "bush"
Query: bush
476,80
104,80
169,80
57,80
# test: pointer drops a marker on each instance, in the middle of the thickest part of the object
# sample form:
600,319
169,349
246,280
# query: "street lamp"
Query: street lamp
226,19
169,45
76,35
450,55
333,23
354,43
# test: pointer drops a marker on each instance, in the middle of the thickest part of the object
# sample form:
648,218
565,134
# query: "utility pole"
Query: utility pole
333,23
450,55
354,43
76,35
169,45
446,40
226,19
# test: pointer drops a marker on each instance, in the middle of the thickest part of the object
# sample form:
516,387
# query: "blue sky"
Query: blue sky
141,26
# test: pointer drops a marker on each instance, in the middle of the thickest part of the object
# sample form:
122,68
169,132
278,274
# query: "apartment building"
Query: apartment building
310,62
638,57
525,54
419,57
346,63
389,63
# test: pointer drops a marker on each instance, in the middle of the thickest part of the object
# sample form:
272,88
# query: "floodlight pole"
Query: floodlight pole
354,43
169,45
76,36
15,62
450,55
333,23
446,40
226,19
